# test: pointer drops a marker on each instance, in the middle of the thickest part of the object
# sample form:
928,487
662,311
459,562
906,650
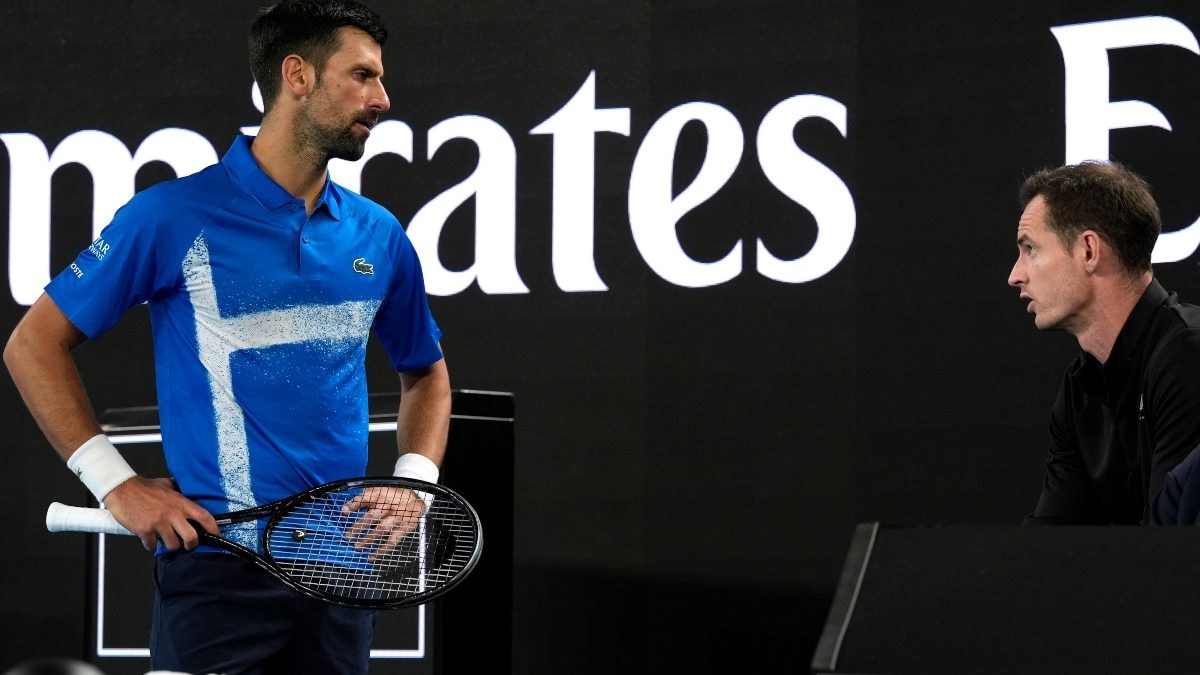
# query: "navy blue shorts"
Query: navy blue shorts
217,613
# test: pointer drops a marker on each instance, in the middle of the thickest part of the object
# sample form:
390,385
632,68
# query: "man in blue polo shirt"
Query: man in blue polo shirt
263,280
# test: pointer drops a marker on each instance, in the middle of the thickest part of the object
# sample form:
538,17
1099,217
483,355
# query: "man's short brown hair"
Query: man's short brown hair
1102,196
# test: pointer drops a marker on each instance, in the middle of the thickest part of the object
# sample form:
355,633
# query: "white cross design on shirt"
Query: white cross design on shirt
218,338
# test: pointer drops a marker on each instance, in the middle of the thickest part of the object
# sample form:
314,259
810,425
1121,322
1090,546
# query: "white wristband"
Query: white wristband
100,466
413,465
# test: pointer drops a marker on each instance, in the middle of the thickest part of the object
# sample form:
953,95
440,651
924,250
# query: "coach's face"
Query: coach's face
1051,278
348,99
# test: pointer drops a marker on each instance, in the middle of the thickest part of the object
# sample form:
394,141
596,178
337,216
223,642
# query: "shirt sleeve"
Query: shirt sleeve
1068,496
404,324
117,271
1172,407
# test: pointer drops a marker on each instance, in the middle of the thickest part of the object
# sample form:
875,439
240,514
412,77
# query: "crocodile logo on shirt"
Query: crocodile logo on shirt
363,267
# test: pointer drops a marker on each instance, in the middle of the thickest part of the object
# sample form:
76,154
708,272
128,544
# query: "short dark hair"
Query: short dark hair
308,28
1103,196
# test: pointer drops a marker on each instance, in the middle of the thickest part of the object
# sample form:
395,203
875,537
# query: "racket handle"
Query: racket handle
63,518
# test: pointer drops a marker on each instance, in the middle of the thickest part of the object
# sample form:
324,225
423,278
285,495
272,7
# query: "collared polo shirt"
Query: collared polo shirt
261,314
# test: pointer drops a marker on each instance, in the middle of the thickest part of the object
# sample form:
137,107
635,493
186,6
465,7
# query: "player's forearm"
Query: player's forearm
49,383
423,423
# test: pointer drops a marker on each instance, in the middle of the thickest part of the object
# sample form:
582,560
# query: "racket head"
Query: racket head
374,542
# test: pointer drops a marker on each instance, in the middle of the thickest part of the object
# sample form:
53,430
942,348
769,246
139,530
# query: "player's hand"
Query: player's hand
389,514
155,511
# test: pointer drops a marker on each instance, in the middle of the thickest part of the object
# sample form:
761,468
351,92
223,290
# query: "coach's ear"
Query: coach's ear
1091,250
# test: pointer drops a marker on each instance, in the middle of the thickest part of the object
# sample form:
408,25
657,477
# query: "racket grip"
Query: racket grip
63,518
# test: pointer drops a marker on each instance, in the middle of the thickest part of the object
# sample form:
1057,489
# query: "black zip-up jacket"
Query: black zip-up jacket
1117,428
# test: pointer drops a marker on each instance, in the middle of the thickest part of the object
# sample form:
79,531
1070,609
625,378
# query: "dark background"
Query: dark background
690,462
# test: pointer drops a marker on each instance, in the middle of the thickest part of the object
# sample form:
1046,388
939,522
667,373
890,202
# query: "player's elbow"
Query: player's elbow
25,347
14,350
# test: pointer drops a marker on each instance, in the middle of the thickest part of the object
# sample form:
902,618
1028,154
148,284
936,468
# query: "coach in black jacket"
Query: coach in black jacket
1129,408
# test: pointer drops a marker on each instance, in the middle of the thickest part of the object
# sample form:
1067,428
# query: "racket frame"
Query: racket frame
276,510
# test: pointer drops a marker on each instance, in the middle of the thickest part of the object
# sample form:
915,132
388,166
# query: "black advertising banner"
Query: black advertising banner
742,264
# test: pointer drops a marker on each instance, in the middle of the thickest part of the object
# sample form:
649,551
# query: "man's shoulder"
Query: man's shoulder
358,207
203,186
1174,317
1174,334
172,202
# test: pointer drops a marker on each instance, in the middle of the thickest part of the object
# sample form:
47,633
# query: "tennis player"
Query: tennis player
263,279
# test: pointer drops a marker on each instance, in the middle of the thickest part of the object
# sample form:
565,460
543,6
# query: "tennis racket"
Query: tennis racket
360,542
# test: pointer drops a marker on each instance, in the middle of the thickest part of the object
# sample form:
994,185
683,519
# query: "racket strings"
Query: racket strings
376,543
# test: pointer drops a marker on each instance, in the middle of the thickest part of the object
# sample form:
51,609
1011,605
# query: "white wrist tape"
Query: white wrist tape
412,465
100,466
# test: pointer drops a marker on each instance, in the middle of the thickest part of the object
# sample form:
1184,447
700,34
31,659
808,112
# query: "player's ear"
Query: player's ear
298,76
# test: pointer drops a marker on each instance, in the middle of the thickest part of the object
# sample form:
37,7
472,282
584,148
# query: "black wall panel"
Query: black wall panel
697,438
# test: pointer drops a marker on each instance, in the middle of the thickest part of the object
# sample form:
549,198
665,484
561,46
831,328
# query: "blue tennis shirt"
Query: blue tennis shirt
260,315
